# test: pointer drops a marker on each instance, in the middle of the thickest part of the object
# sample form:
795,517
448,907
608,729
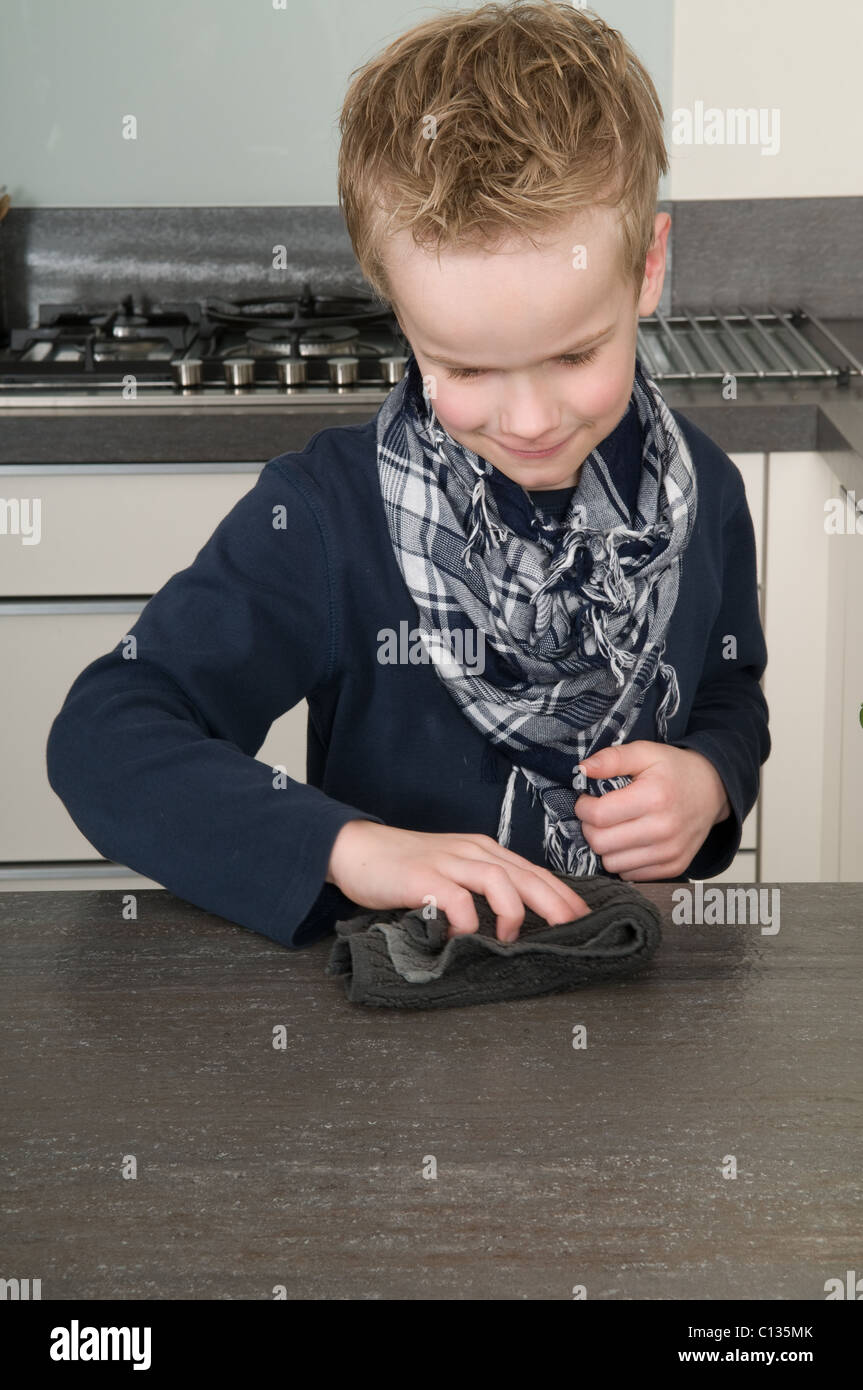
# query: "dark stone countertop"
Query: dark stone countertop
556,1166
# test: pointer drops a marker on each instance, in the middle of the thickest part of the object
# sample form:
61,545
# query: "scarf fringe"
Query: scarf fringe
671,697
505,823
479,516
563,855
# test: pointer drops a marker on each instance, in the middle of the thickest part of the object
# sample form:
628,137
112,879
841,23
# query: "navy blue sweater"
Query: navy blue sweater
154,758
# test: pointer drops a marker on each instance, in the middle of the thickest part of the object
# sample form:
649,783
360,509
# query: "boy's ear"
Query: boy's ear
654,268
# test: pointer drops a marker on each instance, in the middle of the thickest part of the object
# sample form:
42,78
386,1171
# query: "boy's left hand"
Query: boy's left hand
654,827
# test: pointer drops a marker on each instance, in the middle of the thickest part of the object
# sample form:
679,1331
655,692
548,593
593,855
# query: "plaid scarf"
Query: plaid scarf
570,617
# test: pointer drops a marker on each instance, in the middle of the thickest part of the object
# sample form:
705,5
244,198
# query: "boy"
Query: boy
524,486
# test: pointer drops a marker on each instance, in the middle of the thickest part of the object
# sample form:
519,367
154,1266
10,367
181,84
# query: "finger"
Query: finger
653,872
544,899
495,884
650,856
454,900
550,902
646,834
572,902
623,759
620,804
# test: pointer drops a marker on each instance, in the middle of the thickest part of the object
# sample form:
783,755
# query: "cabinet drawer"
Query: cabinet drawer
124,529
43,652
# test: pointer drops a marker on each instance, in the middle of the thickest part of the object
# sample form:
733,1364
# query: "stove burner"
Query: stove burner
270,342
129,326
112,351
328,342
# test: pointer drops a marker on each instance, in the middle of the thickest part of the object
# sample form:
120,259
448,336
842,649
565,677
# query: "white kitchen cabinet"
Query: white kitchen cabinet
106,530
114,529
811,806
850,835
44,649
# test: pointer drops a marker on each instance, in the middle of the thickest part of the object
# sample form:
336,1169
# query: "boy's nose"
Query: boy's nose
529,419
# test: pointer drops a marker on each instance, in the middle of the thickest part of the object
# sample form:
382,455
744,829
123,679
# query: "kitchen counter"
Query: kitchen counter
304,1165
767,417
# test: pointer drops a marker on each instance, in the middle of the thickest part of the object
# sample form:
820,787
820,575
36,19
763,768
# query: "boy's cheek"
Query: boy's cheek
459,412
607,394
605,387
453,405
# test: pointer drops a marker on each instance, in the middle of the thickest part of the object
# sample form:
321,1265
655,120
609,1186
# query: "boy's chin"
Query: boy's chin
547,474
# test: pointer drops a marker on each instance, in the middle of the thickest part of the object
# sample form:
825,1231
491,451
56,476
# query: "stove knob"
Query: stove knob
292,371
343,370
188,371
393,369
239,371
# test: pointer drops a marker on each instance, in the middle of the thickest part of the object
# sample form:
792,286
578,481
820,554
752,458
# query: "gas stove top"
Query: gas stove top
313,347
343,352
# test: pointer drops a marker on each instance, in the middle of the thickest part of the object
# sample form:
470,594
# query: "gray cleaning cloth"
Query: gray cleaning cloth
402,960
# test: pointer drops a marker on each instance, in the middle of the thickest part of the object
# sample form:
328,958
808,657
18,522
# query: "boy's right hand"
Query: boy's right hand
380,866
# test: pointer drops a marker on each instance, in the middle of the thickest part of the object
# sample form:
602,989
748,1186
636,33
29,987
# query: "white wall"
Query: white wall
237,102
800,58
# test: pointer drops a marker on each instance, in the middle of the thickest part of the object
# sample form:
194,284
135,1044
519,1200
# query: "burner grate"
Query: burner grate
755,347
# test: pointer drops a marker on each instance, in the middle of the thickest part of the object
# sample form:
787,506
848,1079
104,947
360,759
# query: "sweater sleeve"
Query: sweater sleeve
152,752
729,715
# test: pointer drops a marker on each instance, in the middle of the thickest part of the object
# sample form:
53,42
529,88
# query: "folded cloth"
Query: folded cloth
402,960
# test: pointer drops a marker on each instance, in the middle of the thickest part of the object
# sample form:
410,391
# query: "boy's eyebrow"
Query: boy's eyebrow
471,366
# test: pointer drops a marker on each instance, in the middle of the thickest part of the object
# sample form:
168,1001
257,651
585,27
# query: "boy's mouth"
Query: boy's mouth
537,453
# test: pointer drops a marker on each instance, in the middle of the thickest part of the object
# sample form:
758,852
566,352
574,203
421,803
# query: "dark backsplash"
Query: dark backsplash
785,251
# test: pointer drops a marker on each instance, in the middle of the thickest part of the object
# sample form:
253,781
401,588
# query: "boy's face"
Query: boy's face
509,316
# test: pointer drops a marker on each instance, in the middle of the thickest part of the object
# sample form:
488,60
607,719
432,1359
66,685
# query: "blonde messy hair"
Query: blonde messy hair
536,110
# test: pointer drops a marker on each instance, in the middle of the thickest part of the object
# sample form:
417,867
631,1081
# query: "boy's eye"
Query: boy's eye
577,359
